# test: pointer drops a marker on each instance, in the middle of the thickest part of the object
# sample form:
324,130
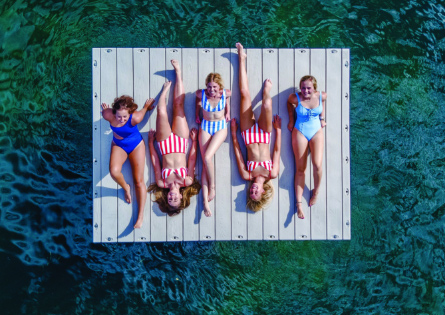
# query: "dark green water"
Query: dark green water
394,263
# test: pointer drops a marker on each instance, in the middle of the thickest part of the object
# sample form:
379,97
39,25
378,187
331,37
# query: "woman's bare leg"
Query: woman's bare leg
247,119
179,125
316,145
137,161
117,158
204,139
300,148
163,129
265,120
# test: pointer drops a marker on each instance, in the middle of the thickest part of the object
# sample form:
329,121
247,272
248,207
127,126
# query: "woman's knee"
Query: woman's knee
115,171
139,183
245,93
317,167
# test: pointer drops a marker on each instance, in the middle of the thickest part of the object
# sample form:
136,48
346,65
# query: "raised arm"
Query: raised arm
193,154
198,105
324,96
277,147
238,155
107,112
290,111
139,115
155,158
227,109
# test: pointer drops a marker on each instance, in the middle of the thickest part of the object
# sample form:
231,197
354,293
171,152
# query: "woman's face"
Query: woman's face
256,191
122,116
174,198
307,88
213,89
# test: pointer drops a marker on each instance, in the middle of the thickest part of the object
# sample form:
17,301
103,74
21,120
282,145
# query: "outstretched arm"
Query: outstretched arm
227,113
277,147
139,115
107,112
238,155
198,105
154,158
192,156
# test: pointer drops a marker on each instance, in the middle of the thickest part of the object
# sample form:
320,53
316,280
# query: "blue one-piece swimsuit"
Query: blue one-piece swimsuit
308,121
130,134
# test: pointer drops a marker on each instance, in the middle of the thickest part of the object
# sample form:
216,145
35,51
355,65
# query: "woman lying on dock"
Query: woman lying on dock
175,182
128,143
260,169
309,106
215,103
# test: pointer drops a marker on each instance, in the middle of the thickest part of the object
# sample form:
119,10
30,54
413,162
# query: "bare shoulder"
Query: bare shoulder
228,93
292,99
324,95
198,94
108,115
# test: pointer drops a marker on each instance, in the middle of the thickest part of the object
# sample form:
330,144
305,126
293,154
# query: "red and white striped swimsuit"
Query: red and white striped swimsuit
255,135
173,144
251,165
166,172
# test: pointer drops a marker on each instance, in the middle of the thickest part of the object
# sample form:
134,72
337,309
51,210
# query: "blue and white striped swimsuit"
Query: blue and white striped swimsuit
213,127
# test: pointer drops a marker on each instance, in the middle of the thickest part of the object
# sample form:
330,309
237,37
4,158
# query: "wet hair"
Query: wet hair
160,197
215,77
266,197
310,78
124,102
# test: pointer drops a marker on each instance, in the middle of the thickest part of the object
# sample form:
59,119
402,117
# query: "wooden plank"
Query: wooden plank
109,186
125,212
303,227
141,82
97,183
239,214
223,171
346,155
175,223
332,143
206,224
286,192
318,211
270,214
158,221
254,73
189,69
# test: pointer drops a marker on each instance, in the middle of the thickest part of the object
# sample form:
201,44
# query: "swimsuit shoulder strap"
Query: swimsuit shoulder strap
298,97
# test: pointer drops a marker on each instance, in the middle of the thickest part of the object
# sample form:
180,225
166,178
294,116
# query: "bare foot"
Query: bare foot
175,64
150,103
166,87
127,194
241,53
313,199
267,85
207,211
212,193
300,212
138,224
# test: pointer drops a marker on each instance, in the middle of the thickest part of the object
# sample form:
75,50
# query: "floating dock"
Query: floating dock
141,72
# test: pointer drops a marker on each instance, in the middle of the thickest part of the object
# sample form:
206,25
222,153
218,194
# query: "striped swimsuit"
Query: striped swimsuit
166,172
257,135
268,165
213,127
173,144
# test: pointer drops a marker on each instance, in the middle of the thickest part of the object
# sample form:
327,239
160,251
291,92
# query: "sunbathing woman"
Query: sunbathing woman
260,169
309,106
128,143
215,104
175,182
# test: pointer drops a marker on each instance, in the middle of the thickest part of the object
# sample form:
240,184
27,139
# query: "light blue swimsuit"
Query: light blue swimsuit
213,127
308,121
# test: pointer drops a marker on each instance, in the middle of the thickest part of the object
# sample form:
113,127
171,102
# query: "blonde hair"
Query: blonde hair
160,197
310,78
215,77
266,197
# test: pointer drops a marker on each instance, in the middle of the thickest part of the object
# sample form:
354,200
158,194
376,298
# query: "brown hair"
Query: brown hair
215,77
310,78
266,197
124,102
160,197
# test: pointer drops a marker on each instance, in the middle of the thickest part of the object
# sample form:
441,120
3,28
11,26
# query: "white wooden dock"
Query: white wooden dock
140,73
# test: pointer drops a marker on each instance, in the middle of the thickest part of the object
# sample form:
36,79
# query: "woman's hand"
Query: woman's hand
150,103
290,126
197,119
323,123
227,117
194,134
276,122
105,106
233,126
151,136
